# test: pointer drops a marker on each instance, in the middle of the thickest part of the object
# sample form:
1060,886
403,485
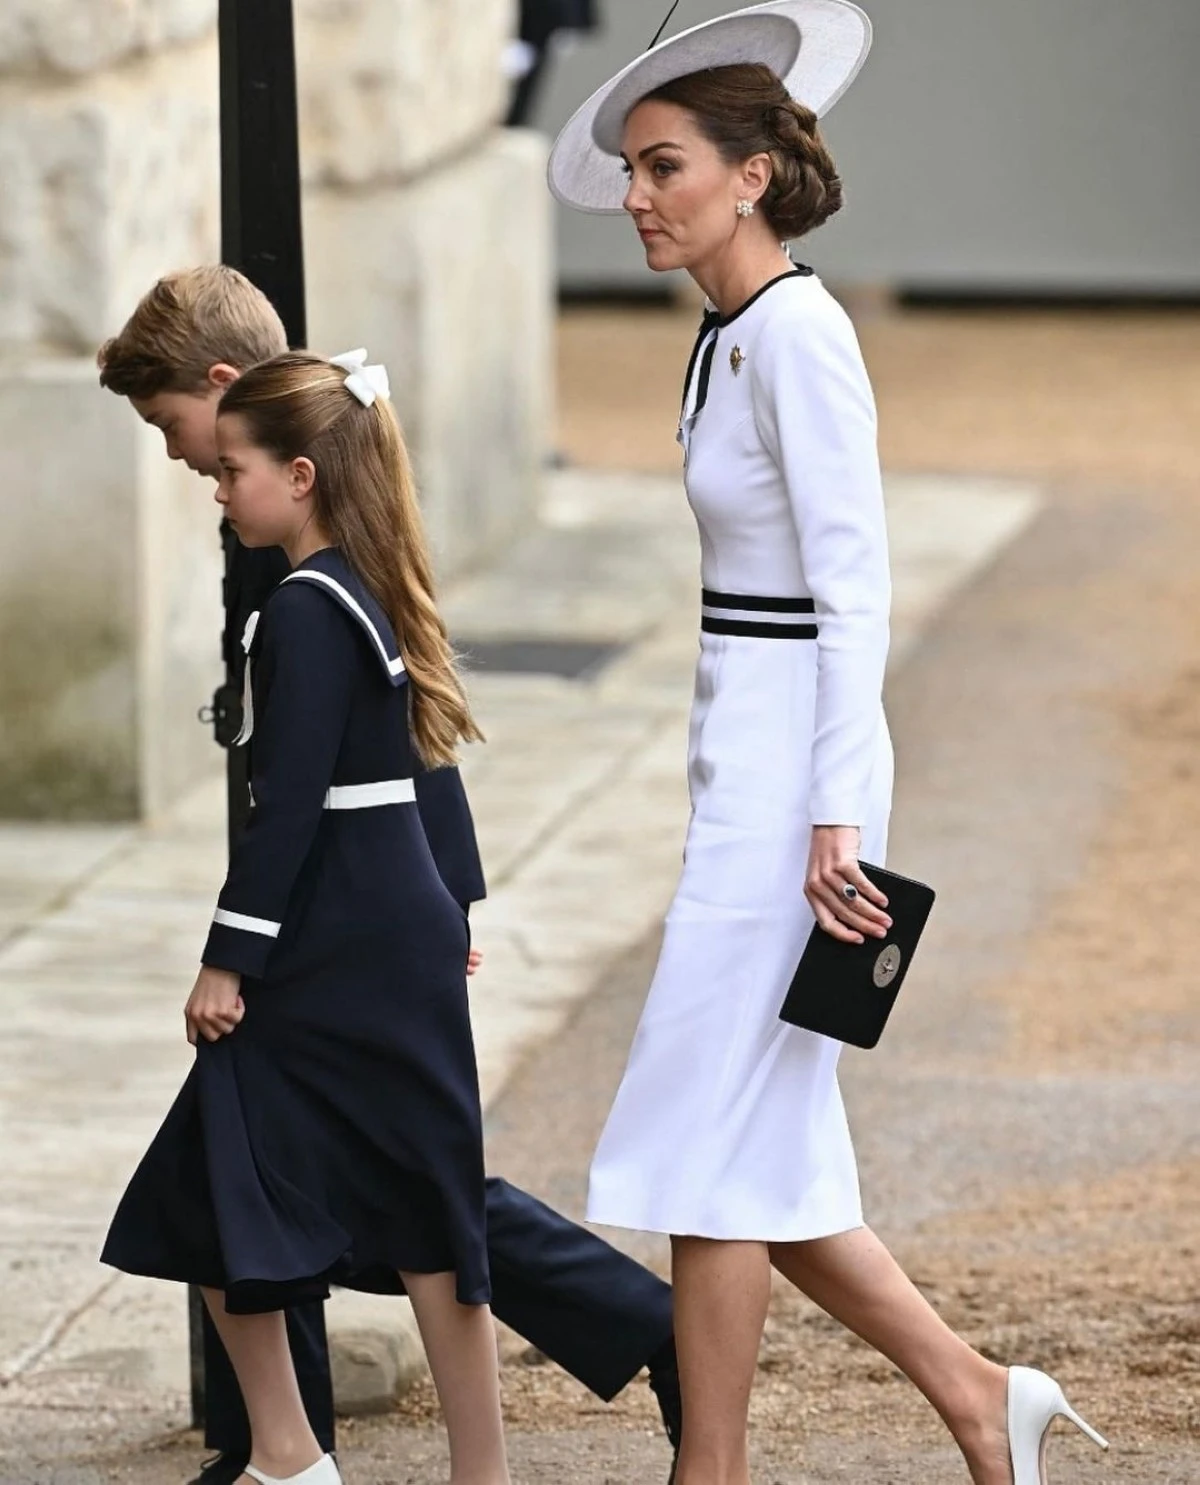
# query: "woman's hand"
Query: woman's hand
832,865
474,960
215,1006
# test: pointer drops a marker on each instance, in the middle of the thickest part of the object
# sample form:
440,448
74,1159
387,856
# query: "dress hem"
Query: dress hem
707,1230
285,1293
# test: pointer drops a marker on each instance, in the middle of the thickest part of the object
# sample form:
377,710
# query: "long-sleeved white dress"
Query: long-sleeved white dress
729,1123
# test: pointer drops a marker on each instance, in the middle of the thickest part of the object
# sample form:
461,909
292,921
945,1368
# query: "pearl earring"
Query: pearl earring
745,208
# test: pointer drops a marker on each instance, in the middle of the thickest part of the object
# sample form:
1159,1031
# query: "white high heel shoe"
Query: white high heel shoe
1034,1402
324,1472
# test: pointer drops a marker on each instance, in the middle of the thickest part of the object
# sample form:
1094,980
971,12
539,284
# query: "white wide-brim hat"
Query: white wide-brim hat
815,46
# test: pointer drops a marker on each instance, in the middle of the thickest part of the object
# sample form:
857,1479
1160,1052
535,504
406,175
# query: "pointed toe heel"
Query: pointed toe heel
1034,1402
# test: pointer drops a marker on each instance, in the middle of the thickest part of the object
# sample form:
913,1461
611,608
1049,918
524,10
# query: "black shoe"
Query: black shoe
222,1469
664,1383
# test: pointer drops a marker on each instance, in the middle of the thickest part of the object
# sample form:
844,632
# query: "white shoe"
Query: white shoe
324,1472
1034,1402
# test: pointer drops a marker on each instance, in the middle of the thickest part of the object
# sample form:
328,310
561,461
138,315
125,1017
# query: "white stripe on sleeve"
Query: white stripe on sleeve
247,925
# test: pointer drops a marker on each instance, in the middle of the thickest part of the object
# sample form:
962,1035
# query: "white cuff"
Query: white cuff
247,925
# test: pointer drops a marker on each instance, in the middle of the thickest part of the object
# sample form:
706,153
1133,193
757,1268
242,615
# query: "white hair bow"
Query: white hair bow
365,382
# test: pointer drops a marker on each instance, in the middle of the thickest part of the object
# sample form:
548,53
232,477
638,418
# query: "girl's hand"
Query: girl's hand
832,864
474,960
215,1006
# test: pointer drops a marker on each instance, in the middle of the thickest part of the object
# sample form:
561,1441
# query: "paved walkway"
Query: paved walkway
580,803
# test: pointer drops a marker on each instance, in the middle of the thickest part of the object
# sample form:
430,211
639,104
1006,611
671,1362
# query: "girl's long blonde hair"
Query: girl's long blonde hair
296,405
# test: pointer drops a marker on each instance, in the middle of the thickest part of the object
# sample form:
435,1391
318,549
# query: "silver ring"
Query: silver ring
850,892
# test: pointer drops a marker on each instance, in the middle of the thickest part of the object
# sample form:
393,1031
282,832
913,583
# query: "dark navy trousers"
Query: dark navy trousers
591,1309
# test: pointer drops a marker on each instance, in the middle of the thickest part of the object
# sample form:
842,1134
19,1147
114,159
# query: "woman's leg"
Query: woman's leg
721,1293
460,1342
855,1279
282,1441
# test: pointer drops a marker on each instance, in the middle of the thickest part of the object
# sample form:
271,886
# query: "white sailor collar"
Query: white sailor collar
329,571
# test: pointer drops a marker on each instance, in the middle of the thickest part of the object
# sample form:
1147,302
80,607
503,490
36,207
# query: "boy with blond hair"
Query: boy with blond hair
190,337
593,1310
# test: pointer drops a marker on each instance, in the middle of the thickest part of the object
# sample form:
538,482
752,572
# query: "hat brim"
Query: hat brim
815,46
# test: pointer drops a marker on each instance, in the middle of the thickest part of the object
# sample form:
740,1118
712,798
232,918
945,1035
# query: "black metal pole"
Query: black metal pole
260,154
261,236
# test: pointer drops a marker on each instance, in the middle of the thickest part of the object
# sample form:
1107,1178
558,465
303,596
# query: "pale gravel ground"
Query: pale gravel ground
1028,1132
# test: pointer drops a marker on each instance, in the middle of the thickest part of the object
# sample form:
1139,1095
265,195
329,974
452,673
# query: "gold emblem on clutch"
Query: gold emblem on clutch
887,966
736,359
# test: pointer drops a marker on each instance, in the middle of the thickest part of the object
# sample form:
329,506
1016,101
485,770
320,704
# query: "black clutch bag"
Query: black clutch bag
847,991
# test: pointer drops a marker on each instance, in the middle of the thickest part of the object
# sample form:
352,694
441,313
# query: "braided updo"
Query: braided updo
745,110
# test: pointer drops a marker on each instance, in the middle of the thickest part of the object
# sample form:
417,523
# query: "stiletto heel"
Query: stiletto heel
1034,1401
1083,1425
324,1472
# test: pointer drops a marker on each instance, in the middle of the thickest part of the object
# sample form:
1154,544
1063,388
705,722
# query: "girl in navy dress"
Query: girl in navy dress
330,1129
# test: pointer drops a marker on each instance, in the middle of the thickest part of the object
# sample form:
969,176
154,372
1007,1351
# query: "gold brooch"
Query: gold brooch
736,359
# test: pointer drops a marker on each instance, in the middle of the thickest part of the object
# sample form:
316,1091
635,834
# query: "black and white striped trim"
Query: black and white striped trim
754,617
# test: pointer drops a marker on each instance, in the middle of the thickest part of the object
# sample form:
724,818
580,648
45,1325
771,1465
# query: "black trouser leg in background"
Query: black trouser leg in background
590,1308
227,1429
593,1310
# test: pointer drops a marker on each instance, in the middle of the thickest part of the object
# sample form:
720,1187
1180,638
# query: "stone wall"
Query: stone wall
109,566
427,240
449,288
391,88
109,602
108,159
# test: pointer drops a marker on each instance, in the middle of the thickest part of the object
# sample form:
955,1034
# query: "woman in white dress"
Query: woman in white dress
728,1130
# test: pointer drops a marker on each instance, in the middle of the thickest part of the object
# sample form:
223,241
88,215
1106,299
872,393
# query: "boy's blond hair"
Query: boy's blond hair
189,321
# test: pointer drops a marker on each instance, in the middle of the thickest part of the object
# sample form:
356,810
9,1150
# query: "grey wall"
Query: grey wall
988,145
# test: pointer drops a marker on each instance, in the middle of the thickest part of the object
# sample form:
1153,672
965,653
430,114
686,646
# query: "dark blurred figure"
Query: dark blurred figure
541,21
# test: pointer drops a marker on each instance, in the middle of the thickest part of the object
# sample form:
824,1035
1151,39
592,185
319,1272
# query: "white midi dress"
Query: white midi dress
728,1123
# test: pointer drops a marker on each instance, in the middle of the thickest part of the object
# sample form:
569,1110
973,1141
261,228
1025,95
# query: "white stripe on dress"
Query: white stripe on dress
370,796
754,616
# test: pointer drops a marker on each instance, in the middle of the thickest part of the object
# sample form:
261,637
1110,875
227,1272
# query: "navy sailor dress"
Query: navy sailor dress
335,1137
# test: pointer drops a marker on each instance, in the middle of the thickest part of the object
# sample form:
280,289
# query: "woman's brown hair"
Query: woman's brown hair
297,405
745,110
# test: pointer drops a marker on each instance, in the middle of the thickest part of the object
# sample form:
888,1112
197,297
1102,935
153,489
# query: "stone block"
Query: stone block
106,185
110,608
375,1350
81,36
449,281
372,1368
391,87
